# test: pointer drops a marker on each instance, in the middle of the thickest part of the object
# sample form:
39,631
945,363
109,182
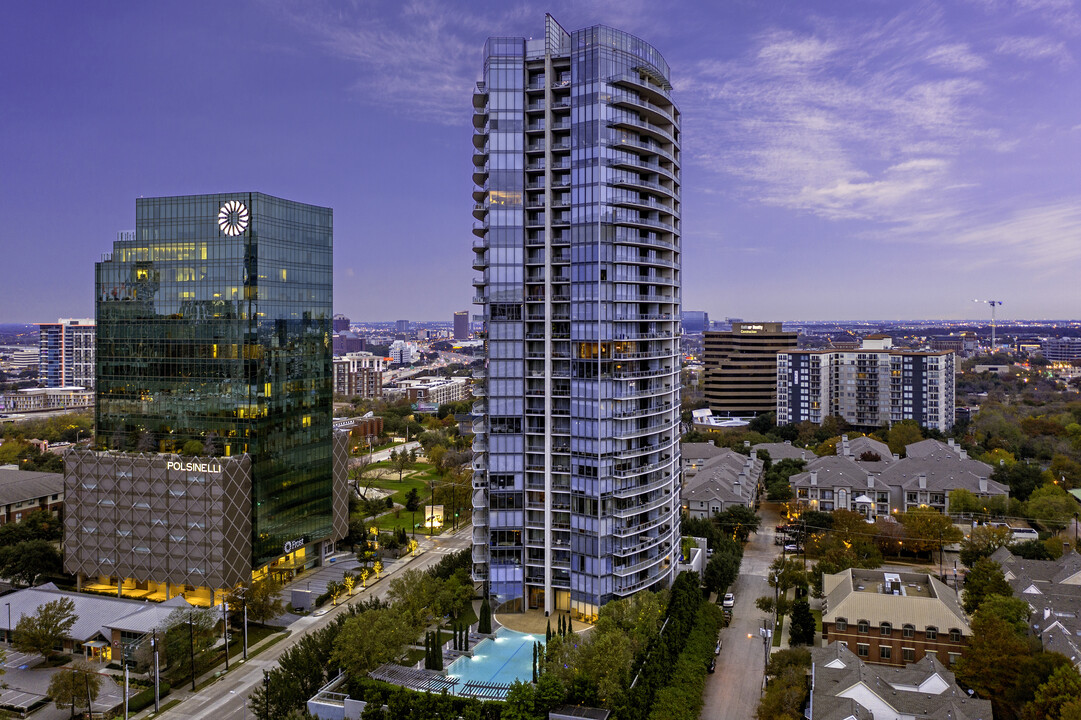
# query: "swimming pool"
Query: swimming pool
506,658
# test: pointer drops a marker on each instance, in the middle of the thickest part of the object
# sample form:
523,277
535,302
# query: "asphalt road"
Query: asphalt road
732,692
228,697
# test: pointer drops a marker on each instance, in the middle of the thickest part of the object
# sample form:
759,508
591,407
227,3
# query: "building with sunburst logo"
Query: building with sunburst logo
214,454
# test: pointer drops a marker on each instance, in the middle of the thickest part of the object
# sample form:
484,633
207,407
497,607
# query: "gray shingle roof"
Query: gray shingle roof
784,451
96,614
20,485
832,471
700,451
922,689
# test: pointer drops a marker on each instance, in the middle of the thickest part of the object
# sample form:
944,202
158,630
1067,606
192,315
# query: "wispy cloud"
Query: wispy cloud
838,123
419,56
1036,48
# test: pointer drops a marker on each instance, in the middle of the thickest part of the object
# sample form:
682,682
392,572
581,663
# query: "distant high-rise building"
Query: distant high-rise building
870,386
214,386
347,341
66,353
577,462
401,326
741,367
403,353
461,325
695,321
340,323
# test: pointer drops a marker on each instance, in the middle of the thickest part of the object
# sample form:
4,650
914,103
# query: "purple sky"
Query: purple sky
848,160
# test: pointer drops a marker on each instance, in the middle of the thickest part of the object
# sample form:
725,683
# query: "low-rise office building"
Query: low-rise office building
869,387
436,390
893,618
105,628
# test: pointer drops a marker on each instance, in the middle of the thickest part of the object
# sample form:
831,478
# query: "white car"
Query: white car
729,600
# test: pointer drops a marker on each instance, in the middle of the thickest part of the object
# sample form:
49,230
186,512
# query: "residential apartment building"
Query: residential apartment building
359,374
227,299
66,353
22,492
893,618
1052,589
844,687
727,479
435,390
878,488
577,175
741,367
869,387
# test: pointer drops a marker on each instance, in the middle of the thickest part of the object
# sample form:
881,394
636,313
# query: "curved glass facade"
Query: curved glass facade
214,326
577,202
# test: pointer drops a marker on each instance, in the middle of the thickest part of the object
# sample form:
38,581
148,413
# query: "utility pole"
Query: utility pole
157,679
225,630
191,638
125,691
245,605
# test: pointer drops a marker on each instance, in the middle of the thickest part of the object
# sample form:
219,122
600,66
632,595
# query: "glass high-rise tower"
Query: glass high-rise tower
577,200
214,339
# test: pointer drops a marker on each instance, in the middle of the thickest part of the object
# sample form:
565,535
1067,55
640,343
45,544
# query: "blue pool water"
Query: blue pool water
507,658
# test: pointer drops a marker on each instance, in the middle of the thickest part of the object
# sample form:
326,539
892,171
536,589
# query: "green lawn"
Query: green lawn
404,520
412,658
818,620
777,632
469,617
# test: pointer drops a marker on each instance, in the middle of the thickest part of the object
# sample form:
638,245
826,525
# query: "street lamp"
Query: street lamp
9,633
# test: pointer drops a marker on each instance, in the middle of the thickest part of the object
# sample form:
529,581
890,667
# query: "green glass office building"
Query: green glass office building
214,338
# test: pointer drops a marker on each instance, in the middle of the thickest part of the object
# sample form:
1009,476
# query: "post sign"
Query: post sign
292,546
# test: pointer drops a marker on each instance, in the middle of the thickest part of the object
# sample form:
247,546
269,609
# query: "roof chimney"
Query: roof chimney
950,442
814,477
923,481
983,484
870,481
964,455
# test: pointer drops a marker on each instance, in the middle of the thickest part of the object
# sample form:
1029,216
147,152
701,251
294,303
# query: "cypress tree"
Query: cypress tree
570,629
548,632
427,651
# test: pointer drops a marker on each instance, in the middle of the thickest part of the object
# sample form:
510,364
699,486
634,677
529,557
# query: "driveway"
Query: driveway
732,692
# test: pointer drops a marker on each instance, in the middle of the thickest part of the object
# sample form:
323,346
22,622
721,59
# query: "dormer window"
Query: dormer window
886,629
863,626
932,633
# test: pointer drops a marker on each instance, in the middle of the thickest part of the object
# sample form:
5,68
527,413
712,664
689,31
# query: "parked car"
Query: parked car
729,600
791,548
712,667
717,650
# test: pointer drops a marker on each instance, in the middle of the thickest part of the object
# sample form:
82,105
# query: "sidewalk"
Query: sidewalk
235,661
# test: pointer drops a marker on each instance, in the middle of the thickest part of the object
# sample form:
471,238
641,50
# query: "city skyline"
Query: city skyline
847,161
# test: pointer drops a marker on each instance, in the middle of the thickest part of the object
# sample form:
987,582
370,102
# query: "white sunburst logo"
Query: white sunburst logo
233,218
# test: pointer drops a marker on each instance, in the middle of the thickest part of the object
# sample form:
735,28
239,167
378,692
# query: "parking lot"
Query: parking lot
26,685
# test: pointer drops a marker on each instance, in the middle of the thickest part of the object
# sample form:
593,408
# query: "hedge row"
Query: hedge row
145,698
681,699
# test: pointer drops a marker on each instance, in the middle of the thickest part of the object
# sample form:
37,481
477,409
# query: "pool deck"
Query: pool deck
535,623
